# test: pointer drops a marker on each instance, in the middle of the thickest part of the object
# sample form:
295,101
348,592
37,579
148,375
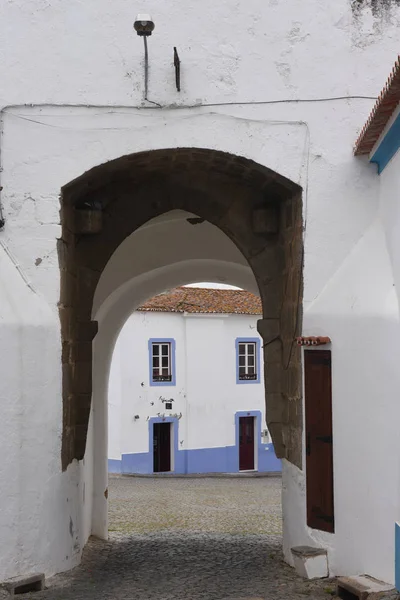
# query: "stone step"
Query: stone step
310,562
22,585
362,587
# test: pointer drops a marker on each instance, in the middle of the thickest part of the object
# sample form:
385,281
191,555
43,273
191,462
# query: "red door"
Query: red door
319,455
162,447
246,443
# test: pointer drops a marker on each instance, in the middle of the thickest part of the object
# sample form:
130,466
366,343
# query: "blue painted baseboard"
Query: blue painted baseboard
224,459
114,465
397,556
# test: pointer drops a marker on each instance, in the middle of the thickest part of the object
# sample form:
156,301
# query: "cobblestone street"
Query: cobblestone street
201,538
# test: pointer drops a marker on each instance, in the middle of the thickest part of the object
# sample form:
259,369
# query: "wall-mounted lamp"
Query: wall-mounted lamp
144,26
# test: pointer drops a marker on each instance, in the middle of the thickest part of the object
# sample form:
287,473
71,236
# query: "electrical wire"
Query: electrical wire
116,109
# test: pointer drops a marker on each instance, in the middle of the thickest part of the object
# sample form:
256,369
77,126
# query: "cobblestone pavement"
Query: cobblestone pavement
194,539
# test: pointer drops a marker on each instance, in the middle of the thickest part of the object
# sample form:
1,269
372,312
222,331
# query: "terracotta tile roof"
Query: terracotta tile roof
385,106
204,300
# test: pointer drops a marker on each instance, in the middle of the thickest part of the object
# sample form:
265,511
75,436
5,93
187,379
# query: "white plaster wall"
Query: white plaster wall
137,392
188,245
115,401
213,394
359,310
97,58
87,55
390,211
40,517
206,393
389,207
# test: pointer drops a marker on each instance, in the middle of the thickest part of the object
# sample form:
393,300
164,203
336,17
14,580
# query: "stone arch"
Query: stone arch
258,209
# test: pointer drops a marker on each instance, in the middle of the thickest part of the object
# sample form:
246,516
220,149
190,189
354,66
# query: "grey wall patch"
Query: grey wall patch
377,6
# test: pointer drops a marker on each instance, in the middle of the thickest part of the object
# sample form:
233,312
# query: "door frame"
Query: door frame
174,424
256,414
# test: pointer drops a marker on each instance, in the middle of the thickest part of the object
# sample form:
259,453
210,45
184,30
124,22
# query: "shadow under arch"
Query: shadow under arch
258,209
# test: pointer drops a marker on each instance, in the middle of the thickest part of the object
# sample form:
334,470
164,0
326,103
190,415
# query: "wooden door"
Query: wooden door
319,456
246,443
162,447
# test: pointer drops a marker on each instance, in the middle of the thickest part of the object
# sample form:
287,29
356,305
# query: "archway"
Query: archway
260,212
111,316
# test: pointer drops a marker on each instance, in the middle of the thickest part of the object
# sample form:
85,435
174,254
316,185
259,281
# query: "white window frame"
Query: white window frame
247,376
160,377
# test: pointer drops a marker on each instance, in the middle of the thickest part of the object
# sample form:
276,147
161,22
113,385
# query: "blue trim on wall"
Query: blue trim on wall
388,147
173,366
223,459
397,556
242,340
114,465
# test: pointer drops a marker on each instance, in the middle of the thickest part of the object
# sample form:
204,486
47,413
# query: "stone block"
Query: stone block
81,382
309,562
266,219
269,329
23,585
273,378
275,408
273,352
80,351
87,222
85,331
362,587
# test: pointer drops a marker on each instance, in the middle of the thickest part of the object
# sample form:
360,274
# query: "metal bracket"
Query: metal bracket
177,65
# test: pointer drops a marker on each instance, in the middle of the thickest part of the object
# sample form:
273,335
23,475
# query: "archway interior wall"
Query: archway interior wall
257,209
191,242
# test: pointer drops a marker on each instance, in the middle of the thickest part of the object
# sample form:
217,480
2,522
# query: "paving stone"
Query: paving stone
189,539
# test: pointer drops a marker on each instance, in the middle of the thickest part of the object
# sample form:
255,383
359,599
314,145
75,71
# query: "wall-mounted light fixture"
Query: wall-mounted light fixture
144,26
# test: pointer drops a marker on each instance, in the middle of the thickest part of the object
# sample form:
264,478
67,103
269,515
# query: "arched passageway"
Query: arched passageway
113,312
258,210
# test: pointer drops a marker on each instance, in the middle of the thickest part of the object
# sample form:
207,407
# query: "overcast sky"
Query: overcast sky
217,286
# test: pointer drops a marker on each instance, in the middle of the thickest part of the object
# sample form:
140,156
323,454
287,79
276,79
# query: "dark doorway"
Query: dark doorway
246,443
162,447
319,455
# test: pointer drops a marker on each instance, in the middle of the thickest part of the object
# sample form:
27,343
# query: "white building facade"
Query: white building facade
186,390
273,96
380,141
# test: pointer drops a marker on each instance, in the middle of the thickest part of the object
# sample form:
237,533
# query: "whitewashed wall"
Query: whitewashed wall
55,54
390,212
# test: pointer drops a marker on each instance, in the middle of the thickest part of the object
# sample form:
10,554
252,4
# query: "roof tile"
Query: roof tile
380,115
204,300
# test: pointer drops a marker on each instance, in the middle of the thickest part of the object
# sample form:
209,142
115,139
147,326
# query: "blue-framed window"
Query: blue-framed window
247,360
162,361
